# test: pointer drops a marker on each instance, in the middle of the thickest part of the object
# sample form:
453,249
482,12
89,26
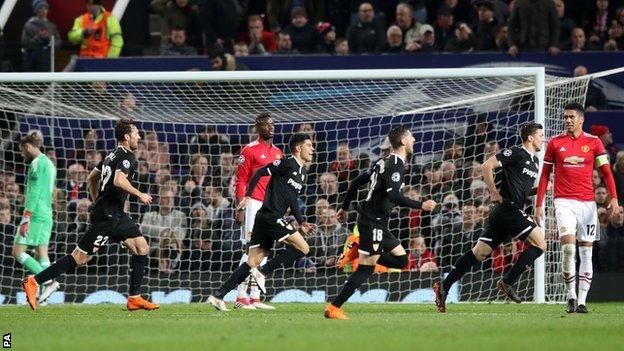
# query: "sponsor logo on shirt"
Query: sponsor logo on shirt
529,172
294,184
573,161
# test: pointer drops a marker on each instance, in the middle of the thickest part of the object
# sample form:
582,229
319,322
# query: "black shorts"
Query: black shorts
105,226
375,237
267,230
507,222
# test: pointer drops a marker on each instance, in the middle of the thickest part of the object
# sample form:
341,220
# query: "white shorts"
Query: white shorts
579,218
250,216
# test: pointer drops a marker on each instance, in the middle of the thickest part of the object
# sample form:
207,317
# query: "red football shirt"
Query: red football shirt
255,155
573,161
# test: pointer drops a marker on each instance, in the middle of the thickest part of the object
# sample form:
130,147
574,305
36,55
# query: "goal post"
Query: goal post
459,117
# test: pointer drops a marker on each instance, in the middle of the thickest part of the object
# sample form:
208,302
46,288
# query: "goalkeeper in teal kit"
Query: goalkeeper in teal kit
35,228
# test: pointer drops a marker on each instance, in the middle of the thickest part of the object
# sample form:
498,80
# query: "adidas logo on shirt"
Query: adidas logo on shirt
262,156
562,149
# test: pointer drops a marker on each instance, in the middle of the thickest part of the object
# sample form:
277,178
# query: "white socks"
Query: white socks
586,272
242,288
254,291
569,269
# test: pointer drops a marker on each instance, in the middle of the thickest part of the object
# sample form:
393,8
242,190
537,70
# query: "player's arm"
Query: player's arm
354,186
393,181
276,167
120,180
549,160
243,174
488,177
93,183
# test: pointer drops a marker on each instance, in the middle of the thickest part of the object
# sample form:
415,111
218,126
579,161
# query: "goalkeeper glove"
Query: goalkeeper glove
25,223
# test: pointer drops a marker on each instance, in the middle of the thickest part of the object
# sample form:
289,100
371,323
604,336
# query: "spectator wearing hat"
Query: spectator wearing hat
595,98
447,226
367,35
328,38
97,32
533,26
427,39
38,37
259,41
394,41
407,23
445,27
305,39
484,31
603,132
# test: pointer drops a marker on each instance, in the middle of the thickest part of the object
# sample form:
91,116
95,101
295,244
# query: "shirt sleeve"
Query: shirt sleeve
508,156
600,149
549,156
393,181
125,163
277,167
243,172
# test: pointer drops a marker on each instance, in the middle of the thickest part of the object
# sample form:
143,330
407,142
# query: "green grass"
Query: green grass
292,327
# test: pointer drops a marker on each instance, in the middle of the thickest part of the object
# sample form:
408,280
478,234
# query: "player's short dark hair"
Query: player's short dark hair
396,135
296,140
32,138
263,117
576,107
123,127
529,128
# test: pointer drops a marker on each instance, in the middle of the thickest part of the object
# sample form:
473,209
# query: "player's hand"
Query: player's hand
25,223
539,215
307,229
429,205
342,215
513,51
145,198
496,198
613,209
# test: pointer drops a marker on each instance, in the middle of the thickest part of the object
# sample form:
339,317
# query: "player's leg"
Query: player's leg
242,300
537,246
394,255
463,265
139,248
587,233
50,286
22,242
566,227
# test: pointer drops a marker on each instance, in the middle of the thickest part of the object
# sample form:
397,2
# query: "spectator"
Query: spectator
177,46
221,61
484,31
345,166
6,221
224,173
241,49
13,193
260,42
316,213
595,99
305,39
445,27
76,187
533,26
215,203
420,258
596,179
155,223
77,227
577,40
619,15
201,237
491,148
178,14
328,189
342,47
410,28
596,22
198,178
394,41
427,39
326,245
501,40
566,23
284,44
504,256
461,10
160,177
603,132
367,34
97,32
615,39
220,21
601,196
614,243
479,191
471,225
210,143
618,173
328,38
463,41
169,251
447,226
38,37
478,133
279,12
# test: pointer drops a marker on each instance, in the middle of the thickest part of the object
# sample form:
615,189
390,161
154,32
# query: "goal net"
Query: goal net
193,126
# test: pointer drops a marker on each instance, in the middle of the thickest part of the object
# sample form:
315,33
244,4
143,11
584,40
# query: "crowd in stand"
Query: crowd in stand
279,27
191,223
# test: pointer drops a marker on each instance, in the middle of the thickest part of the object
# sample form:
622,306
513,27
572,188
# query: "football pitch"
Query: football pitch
291,327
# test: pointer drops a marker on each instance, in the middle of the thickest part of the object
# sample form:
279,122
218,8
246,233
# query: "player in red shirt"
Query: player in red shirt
255,155
574,156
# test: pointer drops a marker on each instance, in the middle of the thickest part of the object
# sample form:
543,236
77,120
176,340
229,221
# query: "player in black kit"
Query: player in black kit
287,180
377,244
109,184
507,219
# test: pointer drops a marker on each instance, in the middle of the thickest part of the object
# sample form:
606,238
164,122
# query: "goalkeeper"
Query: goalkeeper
36,225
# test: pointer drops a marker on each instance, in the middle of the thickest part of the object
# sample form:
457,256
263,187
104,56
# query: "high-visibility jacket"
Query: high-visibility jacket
105,39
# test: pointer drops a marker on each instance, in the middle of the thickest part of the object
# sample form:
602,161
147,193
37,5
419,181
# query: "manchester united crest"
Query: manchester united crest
585,148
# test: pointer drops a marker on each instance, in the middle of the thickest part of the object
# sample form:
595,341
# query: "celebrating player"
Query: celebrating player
574,155
286,183
255,155
507,219
109,184
35,228
377,244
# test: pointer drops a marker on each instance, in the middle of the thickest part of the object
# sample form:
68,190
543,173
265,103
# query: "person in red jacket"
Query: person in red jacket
260,41
254,156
